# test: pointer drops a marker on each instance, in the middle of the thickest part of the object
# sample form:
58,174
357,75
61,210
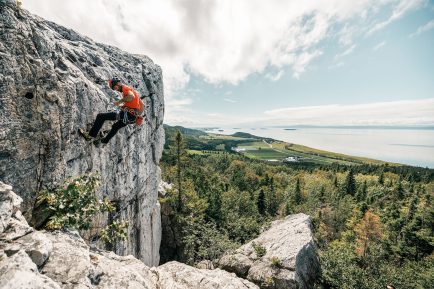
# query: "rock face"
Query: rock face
180,276
284,256
52,82
61,259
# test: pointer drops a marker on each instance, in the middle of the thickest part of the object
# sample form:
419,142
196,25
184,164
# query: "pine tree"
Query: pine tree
180,152
272,199
261,202
361,195
399,191
350,184
381,178
335,182
214,210
297,193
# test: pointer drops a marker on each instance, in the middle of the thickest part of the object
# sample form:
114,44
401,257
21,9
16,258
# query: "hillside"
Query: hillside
264,149
372,222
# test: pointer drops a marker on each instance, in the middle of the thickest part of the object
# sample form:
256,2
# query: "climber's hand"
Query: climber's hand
117,103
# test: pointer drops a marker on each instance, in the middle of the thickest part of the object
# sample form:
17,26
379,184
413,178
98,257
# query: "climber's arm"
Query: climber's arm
126,98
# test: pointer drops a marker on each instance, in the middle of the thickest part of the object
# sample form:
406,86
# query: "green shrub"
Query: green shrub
114,232
74,205
259,249
275,262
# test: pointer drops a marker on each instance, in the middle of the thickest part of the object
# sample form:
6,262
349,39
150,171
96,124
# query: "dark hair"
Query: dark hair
114,81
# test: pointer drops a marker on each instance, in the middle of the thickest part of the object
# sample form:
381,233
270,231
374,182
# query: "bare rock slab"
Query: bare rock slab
175,275
288,259
19,272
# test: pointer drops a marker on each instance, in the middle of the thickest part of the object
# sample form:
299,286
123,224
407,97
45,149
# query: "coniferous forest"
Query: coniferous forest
373,224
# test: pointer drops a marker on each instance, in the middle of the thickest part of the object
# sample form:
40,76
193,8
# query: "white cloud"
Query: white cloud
336,65
230,100
221,41
407,112
379,46
275,76
424,28
346,52
400,9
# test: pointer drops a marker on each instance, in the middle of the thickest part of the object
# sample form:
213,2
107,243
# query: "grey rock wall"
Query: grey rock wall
52,82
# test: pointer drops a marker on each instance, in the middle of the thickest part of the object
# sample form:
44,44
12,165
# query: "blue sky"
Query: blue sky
232,63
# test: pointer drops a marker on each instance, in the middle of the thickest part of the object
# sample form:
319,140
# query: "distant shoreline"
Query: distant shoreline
296,127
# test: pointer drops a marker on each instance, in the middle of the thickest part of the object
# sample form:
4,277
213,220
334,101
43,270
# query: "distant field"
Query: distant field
268,149
265,154
331,155
254,145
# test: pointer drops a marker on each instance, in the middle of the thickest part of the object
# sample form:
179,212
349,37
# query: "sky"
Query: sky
276,62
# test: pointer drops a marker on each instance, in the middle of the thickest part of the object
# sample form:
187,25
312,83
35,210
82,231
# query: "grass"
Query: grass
254,145
265,154
337,157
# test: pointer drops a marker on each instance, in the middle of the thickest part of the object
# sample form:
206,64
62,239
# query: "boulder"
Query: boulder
36,245
69,262
9,204
113,271
19,272
205,264
284,256
237,263
175,275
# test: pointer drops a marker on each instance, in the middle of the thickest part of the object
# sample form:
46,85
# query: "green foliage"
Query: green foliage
373,223
275,262
75,205
297,197
261,202
350,184
259,249
114,232
202,240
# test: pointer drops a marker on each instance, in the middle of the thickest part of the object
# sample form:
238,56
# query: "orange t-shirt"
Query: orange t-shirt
135,103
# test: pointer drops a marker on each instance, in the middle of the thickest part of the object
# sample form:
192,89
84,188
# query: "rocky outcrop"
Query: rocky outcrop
180,276
284,256
52,82
61,259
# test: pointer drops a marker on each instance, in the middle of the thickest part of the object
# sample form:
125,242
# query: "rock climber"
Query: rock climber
131,109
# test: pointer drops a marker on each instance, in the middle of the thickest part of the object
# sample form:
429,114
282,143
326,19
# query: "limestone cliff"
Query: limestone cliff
52,82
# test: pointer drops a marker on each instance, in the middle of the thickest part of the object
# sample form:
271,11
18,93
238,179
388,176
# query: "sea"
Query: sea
410,146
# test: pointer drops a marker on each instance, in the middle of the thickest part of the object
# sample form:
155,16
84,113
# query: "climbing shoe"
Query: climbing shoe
85,134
